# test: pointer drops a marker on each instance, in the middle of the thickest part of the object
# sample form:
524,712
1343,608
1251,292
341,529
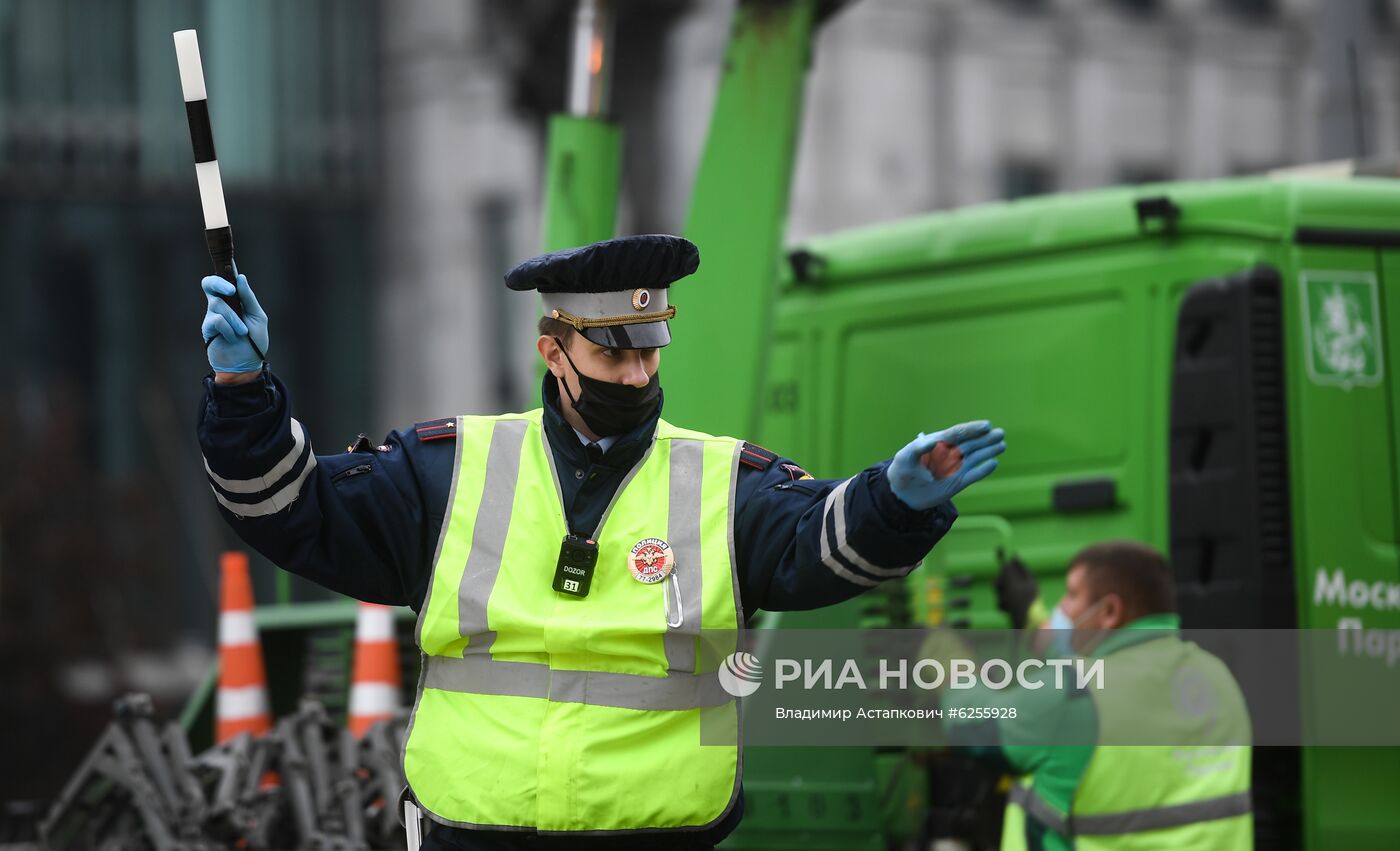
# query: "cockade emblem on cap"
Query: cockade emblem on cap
640,299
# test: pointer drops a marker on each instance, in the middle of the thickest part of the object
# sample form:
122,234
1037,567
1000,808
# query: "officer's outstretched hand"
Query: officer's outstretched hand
225,334
935,467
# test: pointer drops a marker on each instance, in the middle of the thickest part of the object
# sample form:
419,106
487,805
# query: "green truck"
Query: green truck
1208,367
1202,366
1205,367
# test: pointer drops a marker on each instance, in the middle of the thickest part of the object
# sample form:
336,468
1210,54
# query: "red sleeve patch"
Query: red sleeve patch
436,429
756,456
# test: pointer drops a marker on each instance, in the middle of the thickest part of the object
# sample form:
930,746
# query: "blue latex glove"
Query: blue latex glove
911,477
226,334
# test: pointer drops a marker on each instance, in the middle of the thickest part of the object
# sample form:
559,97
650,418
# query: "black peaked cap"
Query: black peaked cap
653,261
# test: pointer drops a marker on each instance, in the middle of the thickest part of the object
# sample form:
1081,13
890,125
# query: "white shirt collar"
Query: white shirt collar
604,443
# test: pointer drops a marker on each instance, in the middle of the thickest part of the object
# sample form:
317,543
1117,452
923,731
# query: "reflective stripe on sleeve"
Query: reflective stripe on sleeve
273,504
265,482
1037,808
834,521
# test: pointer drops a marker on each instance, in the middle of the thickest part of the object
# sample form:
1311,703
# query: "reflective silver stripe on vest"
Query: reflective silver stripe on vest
1131,821
683,527
834,520
1036,807
1157,818
489,532
479,674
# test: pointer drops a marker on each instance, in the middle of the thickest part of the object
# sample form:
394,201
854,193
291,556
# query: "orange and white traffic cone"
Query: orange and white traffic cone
242,700
374,686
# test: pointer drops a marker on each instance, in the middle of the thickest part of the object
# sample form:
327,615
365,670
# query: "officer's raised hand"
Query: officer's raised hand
933,468
229,339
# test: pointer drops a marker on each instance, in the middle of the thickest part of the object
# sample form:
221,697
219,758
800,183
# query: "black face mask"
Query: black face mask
611,409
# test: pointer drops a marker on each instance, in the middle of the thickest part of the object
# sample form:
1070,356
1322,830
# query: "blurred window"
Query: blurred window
102,245
1253,168
1139,7
1027,5
1024,177
1250,8
1381,13
1133,174
90,95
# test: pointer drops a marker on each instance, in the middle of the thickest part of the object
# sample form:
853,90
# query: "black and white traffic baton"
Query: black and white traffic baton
217,233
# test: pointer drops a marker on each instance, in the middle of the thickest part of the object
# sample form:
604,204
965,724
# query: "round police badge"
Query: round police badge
651,561
640,299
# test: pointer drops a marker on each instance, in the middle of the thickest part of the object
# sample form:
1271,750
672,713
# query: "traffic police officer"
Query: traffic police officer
571,566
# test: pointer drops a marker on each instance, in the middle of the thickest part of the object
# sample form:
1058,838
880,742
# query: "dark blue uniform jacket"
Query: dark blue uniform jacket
365,522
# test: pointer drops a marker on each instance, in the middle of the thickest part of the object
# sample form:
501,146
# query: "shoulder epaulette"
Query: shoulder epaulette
756,456
436,429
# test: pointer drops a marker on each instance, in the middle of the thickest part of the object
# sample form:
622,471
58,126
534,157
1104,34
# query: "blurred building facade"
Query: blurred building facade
468,88
108,534
458,200
917,105
912,106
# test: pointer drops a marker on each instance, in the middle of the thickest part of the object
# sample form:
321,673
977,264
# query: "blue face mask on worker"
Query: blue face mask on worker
608,408
1062,629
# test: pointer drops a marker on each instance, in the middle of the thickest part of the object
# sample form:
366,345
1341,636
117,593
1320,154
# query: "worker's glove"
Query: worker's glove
1018,594
226,336
911,473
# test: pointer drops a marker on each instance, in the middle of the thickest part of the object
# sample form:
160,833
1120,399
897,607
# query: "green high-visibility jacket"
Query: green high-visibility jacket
547,712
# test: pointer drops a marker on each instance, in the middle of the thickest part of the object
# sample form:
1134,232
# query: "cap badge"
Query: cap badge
640,299
651,561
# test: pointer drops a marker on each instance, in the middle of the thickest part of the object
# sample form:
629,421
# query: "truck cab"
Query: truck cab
1207,367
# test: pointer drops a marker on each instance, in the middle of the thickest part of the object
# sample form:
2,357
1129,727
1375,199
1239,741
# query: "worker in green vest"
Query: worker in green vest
1154,755
581,570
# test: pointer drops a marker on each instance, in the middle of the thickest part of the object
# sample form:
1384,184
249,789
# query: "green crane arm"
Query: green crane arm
738,212
582,175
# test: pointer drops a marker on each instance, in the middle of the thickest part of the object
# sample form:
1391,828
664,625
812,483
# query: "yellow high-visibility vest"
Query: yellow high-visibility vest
1143,797
542,711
